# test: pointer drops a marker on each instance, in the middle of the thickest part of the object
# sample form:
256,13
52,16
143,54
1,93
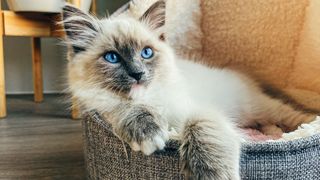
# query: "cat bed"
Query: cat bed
209,30
109,158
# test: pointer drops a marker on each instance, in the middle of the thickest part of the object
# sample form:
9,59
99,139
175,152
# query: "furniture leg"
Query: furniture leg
37,70
94,7
76,3
75,114
3,106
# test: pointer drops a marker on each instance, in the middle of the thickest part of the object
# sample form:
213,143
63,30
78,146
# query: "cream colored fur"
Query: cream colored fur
203,106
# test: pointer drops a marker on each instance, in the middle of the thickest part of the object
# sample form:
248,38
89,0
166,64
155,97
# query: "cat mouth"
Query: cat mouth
137,86
139,83
137,90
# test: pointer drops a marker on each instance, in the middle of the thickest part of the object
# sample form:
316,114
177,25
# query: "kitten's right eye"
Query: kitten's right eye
111,57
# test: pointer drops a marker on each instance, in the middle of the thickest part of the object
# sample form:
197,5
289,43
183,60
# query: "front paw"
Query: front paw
208,153
149,145
143,132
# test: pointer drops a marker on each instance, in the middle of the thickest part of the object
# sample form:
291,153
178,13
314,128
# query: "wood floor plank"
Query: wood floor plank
40,141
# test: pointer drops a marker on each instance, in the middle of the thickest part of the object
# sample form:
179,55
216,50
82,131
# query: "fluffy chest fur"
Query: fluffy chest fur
194,88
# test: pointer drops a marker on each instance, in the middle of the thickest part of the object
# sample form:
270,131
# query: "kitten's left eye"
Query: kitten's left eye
147,53
111,57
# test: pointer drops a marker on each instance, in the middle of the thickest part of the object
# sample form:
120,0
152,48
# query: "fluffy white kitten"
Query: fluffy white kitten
123,68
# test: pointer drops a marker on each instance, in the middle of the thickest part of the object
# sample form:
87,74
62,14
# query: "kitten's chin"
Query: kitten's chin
137,90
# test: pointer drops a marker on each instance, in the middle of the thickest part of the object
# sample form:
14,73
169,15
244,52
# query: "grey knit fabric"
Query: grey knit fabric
108,158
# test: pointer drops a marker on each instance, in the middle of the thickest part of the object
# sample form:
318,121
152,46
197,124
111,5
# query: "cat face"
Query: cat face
119,54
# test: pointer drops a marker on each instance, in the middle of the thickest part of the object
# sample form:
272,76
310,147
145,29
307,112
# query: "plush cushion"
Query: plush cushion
108,158
277,42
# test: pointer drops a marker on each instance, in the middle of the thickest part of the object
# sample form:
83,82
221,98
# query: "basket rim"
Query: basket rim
247,147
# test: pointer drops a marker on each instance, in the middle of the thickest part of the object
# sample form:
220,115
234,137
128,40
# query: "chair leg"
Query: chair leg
94,7
3,106
75,114
37,70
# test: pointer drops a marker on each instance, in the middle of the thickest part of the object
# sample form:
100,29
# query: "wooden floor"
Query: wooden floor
40,141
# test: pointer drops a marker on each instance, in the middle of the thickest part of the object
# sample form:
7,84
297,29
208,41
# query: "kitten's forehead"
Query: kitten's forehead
127,31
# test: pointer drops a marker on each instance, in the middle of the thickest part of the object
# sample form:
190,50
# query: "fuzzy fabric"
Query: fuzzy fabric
277,42
303,131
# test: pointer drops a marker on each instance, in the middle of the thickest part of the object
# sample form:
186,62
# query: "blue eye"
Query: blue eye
111,57
147,53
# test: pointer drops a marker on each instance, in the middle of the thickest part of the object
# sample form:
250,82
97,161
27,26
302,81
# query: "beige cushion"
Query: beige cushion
278,41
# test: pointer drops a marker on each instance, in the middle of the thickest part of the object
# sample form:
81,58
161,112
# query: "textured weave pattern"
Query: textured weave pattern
107,158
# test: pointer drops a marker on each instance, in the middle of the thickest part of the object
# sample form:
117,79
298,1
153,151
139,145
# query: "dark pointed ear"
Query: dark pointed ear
80,28
155,16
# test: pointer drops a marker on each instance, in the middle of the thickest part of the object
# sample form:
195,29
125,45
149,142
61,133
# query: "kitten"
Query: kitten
123,68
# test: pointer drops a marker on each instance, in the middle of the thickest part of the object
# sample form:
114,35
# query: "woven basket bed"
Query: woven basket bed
108,158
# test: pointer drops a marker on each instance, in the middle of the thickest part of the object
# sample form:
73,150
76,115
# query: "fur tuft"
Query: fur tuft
209,150
80,28
155,16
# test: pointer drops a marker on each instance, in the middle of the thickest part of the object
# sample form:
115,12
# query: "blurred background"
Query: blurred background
39,140
17,51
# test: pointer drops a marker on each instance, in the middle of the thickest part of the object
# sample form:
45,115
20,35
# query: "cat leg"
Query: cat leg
210,150
272,130
140,126
282,116
290,119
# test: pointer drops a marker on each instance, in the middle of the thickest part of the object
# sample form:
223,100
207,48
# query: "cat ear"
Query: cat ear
80,28
155,17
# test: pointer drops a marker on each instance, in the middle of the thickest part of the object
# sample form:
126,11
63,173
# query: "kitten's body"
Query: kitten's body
192,88
204,105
